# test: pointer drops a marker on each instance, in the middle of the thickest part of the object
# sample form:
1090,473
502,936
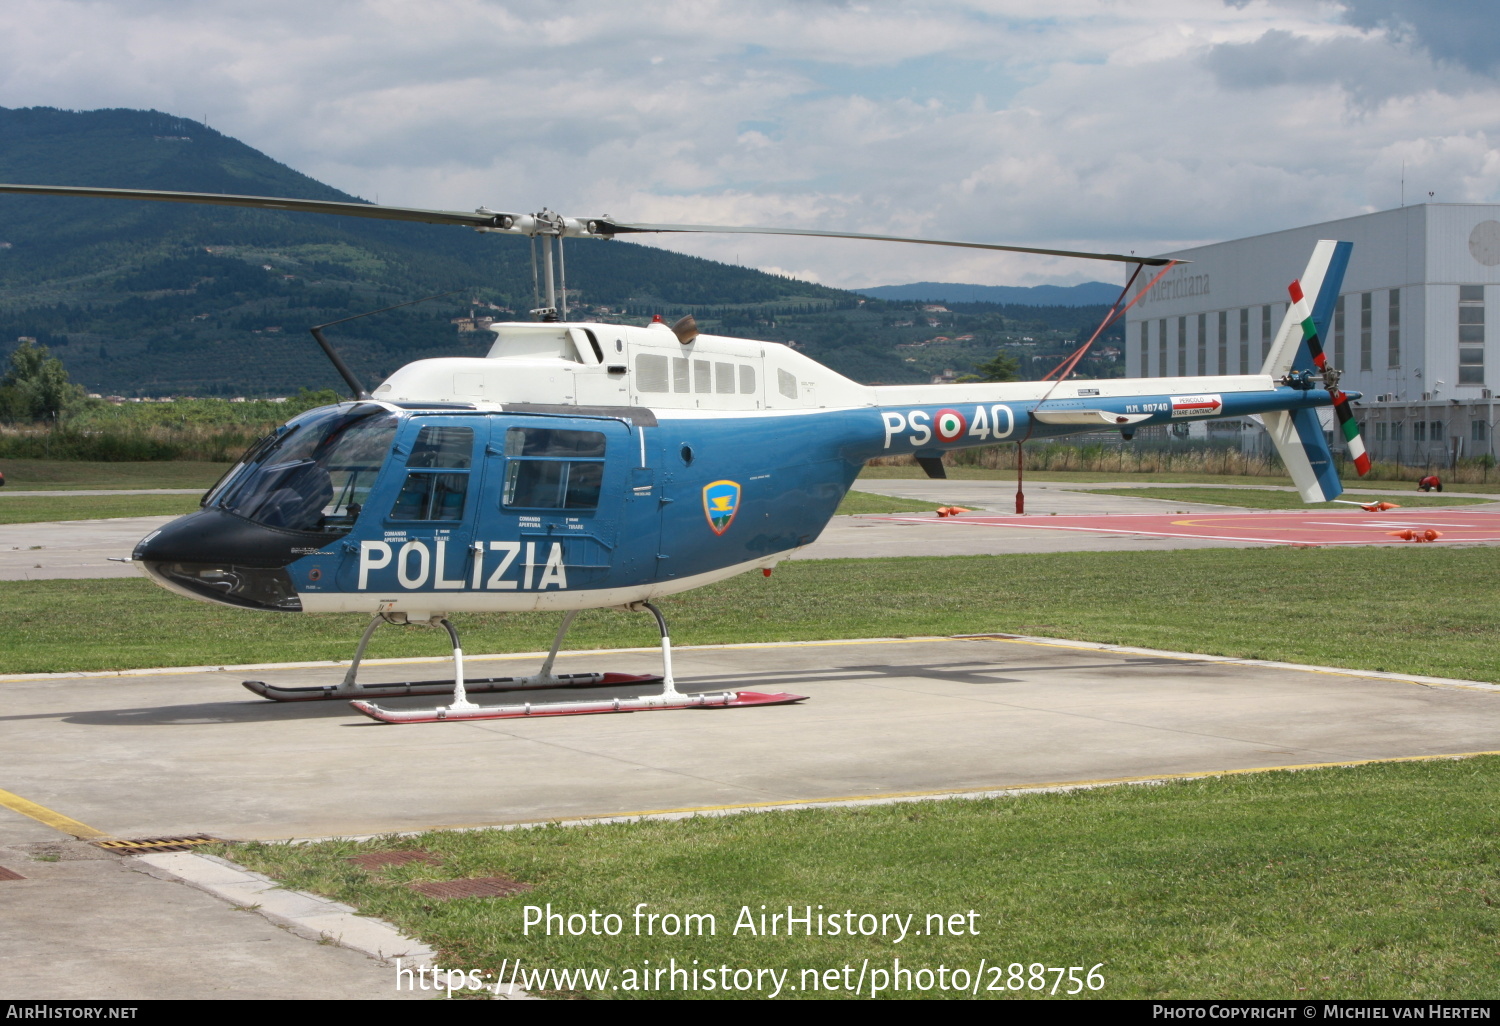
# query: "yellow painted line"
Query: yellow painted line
44,815
892,796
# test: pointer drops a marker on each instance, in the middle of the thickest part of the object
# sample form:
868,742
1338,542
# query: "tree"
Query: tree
1002,367
36,386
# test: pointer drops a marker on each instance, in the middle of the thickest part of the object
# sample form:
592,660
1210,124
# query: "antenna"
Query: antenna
333,356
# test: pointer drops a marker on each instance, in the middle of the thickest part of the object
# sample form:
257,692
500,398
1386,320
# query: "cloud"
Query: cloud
1463,32
1096,125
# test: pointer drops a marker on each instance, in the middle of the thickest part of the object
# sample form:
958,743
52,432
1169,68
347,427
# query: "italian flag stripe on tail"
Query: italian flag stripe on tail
1348,426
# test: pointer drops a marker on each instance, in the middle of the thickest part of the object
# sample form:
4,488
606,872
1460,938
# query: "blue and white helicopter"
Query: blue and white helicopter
584,465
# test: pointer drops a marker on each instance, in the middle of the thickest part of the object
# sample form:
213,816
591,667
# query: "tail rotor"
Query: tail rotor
1348,426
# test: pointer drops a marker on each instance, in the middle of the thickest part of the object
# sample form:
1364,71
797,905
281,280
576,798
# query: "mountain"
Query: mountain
1090,293
143,298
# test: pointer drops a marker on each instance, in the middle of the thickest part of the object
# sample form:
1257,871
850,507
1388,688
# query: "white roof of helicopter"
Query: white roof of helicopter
595,364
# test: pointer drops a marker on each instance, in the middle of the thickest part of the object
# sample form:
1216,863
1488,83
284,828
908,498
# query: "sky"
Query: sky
1082,124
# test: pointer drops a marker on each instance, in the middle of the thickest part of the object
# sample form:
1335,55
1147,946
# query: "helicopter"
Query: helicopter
582,465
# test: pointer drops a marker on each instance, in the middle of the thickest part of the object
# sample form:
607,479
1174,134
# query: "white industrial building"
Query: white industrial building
1408,330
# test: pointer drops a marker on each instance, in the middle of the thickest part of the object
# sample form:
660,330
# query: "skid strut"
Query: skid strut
544,678
669,698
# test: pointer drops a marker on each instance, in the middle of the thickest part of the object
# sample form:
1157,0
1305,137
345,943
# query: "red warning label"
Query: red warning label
1196,405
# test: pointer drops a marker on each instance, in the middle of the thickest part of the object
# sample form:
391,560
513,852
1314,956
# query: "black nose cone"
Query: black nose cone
215,556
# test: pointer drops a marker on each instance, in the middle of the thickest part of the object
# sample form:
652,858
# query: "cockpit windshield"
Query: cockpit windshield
315,473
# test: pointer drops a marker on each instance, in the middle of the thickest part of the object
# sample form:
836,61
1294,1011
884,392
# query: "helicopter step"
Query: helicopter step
463,709
329,692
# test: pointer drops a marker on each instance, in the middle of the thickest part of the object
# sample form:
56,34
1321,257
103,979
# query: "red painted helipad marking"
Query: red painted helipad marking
1271,527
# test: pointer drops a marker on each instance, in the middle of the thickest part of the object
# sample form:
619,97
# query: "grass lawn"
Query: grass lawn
31,509
1376,881
864,502
1256,498
1426,609
55,475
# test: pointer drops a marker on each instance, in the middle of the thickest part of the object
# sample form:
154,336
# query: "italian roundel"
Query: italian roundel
948,425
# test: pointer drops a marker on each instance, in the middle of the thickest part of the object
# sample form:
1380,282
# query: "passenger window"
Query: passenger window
553,469
431,497
724,378
703,376
747,379
451,448
432,491
680,375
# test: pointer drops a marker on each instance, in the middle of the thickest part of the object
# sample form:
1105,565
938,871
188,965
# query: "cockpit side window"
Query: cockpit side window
437,475
315,474
553,469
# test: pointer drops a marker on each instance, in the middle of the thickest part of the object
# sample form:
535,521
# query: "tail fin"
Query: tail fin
1320,283
1298,434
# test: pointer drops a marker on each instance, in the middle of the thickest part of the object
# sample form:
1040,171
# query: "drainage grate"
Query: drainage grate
375,861
483,887
10,874
147,845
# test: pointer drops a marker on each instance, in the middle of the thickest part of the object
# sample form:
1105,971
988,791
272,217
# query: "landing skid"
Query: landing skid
646,703
545,678
463,709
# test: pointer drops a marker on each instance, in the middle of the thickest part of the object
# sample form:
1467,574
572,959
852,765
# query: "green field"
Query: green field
1259,498
1422,609
1364,882
29,509
863,502
58,475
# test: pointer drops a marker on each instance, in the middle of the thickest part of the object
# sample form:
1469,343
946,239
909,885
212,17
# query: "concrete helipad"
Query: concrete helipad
166,753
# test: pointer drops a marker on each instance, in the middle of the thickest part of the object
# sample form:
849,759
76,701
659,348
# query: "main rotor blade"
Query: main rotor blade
619,228
473,220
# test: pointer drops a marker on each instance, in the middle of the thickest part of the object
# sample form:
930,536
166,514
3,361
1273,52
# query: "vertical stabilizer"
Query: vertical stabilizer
1298,434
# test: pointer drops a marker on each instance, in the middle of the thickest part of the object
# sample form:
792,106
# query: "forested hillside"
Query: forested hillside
159,299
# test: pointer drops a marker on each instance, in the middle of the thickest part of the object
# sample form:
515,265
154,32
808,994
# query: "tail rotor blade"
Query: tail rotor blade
1348,426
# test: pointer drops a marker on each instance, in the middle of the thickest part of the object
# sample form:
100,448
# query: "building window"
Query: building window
1435,430
1338,332
1223,366
1203,343
1419,431
1393,331
1145,349
1245,341
1182,347
1366,357
1380,430
1471,334
1479,431
1265,332
1161,347
1398,429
